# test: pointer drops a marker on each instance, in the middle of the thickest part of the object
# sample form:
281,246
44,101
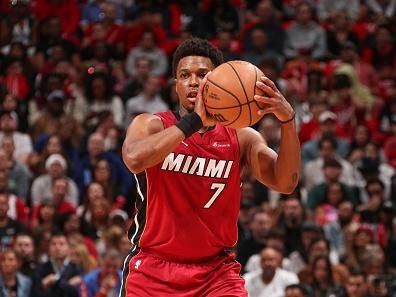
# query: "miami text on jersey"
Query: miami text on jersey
197,165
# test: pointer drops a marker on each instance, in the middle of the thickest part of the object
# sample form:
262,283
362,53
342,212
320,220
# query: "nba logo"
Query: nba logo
137,264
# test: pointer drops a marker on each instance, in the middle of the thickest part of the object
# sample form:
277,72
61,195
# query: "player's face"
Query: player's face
189,74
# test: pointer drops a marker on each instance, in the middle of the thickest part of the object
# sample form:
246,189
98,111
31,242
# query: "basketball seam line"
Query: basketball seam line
229,107
240,105
244,91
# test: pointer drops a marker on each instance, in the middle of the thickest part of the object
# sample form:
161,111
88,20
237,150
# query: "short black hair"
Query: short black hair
342,81
196,47
300,287
328,138
332,163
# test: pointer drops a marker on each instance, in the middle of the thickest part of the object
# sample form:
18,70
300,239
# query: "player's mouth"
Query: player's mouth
192,96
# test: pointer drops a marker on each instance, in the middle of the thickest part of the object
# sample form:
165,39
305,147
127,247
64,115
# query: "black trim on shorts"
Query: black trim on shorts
125,270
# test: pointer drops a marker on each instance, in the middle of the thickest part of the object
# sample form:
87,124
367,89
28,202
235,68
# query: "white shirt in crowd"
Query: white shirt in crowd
276,288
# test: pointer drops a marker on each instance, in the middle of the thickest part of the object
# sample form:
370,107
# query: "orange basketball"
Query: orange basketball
229,94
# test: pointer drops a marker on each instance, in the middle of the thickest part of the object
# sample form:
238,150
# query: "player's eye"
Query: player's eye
183,75
202,75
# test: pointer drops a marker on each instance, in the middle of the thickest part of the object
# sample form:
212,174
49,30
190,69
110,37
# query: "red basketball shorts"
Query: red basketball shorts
146,275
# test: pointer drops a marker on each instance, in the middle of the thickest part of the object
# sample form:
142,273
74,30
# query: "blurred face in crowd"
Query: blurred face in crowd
99,88
54,27
261,225
328,127
383,38
345,212
294,292
109,12
147,42
72,224
332,173
95,191
95,145
55,170
100,209
335,194
189,74
8,146
264,11
258,39
47,213
362,238
361,135
224,40
24,246
341,21
111,263
59,248
3,182
270,129
152,86
59,190
371,151
54,145
320,270
8,124
355,286
293,212
303,14
348,55
102,171
317,108
327,150
271,259
143,67
319,248
4,161
3,206
9,103
9,262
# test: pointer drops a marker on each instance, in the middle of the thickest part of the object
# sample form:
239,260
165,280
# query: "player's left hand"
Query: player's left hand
271,100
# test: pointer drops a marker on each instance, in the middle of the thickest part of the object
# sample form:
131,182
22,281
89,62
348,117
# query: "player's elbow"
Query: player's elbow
289,186
132,160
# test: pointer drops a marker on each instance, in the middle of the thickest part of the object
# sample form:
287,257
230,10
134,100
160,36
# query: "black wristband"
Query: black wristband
292,118
190,123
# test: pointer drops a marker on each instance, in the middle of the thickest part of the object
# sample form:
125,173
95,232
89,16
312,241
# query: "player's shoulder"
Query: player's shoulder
247,136
147,121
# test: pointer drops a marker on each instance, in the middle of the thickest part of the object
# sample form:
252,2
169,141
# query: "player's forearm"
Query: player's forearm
287,165
144,153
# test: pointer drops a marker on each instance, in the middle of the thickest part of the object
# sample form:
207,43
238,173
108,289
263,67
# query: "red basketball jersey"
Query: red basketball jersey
188,204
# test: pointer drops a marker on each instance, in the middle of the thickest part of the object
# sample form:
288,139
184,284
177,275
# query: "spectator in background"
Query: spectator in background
67,11
147,48
83,174
270,129
42,186
227,45
259,49
327,128
360,138
25,250
93,12
382,8
313,170
356,285
58,276
322,278
321,193
22,142
260,227
296,290
21,22
149,100
304,37
267,19
17,208
12,282
135,84
79,255
17,173
328,9
271,280
106,279
336,231
9,228
99,96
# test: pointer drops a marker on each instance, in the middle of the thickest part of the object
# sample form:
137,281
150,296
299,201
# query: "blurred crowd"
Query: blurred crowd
74,73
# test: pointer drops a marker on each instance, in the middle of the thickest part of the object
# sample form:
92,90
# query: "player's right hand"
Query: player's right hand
200,108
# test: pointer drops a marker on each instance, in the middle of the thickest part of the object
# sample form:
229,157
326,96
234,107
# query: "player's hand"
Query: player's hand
200,108
271,100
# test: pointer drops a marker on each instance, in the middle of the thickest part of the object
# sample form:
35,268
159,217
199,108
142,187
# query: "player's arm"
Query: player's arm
279,172
147,142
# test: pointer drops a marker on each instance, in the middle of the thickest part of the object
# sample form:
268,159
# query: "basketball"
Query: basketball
229,94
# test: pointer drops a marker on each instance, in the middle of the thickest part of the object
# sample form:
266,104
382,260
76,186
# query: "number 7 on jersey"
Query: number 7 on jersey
219,188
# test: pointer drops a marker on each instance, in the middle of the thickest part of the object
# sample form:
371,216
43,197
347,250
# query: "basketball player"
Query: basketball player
187,169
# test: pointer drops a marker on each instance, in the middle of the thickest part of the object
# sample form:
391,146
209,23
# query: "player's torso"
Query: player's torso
193,196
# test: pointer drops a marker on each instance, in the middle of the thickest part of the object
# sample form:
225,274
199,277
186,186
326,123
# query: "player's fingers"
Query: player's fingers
269,83
265,111
265,88
262,99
